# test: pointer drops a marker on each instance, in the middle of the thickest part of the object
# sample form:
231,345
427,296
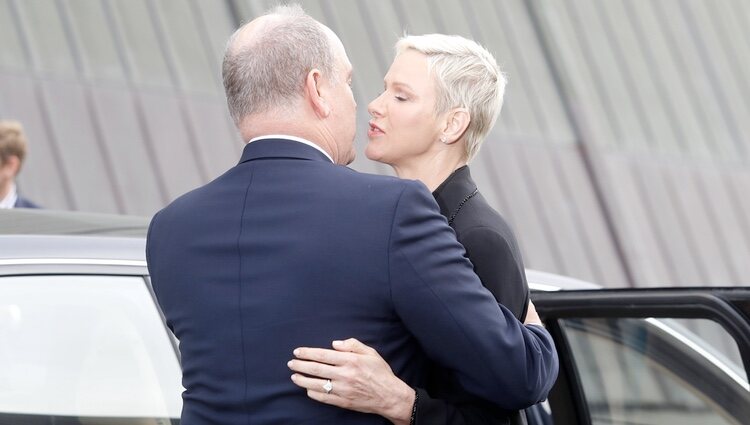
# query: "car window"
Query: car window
84,349
655,371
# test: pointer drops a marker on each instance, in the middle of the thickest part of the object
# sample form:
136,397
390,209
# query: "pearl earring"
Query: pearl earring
444,140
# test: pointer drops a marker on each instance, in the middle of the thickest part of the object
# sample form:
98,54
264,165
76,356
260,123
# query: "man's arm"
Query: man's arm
456,320
366,383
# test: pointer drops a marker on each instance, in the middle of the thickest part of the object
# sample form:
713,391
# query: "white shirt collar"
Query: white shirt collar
10,199
294,138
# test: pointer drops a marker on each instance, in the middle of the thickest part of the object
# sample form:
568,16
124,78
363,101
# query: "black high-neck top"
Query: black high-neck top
488,239
492,248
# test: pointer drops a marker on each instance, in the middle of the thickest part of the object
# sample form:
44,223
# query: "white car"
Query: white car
82,340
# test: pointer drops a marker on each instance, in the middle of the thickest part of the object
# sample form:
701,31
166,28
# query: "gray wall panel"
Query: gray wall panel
697,80
669,223
734,239
643,244
531,230
216,144
636,55
451,18
84,159
517,98
171,145
738,186
133,166
700,224
595,38
669,78
12,55
731,221
585,89
589,221
512,18
720,79
548,188
417,16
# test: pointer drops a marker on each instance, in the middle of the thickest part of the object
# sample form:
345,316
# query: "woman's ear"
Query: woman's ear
456,122
313,91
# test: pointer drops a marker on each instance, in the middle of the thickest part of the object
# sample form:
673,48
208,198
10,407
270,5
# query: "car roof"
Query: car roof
50,222
47,234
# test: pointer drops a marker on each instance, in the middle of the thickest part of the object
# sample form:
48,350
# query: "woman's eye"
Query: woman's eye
401,98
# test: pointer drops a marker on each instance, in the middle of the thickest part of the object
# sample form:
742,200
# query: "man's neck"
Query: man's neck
8,195
296,139
6,188
261,128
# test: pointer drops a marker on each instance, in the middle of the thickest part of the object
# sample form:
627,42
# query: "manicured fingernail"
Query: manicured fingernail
337,343
294,377
296,351
289,363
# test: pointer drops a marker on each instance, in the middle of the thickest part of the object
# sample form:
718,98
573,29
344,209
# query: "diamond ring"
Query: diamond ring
328,386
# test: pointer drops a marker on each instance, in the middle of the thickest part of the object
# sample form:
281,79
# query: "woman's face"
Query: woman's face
404,126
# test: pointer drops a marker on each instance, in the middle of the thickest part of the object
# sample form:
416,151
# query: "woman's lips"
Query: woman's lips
374,130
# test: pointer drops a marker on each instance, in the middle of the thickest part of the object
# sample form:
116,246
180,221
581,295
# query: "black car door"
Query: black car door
648,356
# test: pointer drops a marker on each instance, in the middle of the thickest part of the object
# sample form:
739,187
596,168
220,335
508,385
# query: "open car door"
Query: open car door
648,356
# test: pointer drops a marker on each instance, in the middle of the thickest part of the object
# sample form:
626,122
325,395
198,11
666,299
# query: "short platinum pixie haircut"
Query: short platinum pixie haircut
270,71
466,75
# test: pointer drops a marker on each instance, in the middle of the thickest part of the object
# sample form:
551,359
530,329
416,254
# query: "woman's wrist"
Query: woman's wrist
403,409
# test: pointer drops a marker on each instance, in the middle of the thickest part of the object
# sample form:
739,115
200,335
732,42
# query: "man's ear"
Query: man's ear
313,84
456,122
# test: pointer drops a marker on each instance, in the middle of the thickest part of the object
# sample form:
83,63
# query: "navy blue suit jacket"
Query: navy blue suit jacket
287,249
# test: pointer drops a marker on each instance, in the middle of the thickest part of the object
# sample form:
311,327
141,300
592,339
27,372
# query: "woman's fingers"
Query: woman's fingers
316,390
321,355
312,368
312,383
332,399
353,345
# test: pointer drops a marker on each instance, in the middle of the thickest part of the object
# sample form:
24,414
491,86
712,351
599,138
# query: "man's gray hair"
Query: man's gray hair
270,71
467,76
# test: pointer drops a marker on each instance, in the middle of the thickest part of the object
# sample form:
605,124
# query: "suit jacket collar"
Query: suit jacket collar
281,148
454,190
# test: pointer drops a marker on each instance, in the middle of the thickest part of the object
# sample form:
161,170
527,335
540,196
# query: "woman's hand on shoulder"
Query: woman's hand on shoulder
360,380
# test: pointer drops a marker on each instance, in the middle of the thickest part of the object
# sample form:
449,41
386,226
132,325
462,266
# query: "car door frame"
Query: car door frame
730,307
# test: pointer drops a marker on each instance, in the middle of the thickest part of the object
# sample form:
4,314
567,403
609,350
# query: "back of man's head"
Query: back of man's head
12,142
267,60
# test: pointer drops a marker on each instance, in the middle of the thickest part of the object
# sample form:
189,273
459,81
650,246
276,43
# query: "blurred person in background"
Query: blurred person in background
12,154
442,96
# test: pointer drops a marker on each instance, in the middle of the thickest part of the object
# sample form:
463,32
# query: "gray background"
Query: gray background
620,157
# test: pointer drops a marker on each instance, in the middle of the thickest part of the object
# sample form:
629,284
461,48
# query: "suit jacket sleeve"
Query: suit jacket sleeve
455,319
498,268
433,411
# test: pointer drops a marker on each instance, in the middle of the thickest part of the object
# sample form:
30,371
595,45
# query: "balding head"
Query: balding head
267,60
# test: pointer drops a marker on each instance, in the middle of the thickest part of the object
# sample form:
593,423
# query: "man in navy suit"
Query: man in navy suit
290,248
12,154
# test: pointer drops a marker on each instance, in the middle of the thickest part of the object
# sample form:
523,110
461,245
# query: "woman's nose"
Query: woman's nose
374,107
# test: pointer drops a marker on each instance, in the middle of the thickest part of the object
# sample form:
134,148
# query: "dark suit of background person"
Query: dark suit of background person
492,248
287,249
24,203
